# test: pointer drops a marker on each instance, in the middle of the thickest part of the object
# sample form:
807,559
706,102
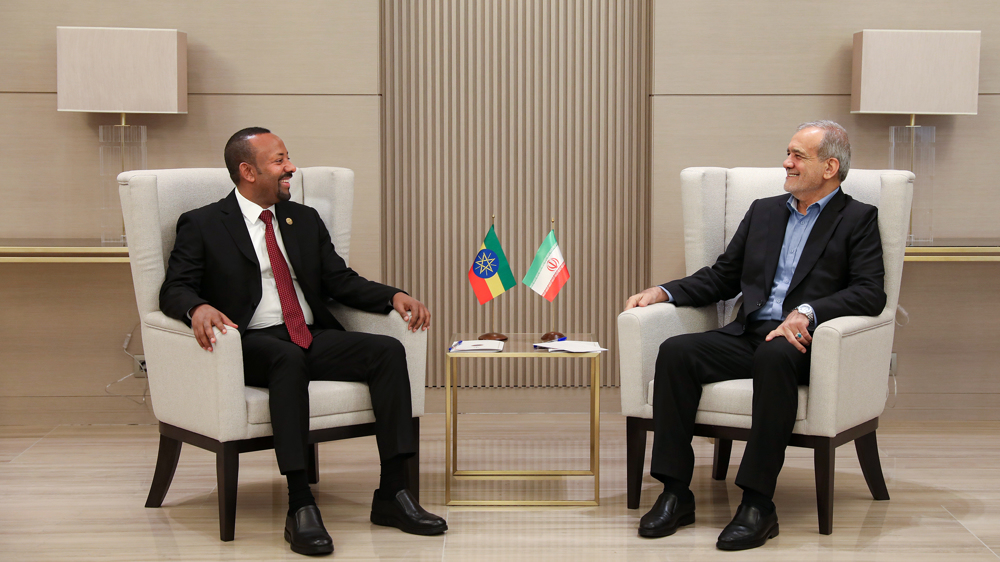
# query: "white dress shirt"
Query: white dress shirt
268,312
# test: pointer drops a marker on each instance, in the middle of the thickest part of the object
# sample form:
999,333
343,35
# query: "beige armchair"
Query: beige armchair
850,357
199,397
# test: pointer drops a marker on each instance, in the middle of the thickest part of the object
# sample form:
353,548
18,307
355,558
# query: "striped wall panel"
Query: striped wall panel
529,110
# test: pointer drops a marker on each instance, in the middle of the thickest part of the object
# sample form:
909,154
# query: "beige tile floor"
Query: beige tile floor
77,493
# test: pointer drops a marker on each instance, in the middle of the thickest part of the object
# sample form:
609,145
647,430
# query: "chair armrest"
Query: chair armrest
849,371
192,388
641,330
394,326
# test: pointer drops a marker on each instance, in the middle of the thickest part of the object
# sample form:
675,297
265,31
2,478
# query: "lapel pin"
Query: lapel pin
288,220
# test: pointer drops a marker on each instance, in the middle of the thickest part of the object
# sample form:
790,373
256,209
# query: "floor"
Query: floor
77,493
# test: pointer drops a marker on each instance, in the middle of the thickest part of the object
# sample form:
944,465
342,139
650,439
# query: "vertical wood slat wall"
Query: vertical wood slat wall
529,110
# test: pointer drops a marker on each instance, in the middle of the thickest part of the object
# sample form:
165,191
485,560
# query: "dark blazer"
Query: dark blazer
840,272
213,261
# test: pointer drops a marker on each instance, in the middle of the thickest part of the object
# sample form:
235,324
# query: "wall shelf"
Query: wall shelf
956,249
60,250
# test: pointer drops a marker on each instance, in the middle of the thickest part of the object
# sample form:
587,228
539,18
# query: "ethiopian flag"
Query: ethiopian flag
490,273
548,272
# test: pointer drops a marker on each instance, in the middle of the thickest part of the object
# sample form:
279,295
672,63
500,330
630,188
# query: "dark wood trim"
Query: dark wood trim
227,472
720,459
824,458
227,463
412,465
163,475
871,466
312,463
806,441
635,457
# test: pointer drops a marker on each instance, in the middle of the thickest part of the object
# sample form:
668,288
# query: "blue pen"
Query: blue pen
454,345
564,338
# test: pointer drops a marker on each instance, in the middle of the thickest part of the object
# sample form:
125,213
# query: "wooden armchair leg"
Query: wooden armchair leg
871,466
413,463
823,461
635,459
227,471
163,475
312,463
720,461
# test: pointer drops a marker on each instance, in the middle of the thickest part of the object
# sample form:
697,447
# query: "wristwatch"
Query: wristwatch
807,311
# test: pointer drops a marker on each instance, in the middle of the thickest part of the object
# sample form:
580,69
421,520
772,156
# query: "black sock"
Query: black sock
758,500
676,487
393,477
299,494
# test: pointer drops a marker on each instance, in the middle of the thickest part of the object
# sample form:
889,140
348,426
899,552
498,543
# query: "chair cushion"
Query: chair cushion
325,398
735,397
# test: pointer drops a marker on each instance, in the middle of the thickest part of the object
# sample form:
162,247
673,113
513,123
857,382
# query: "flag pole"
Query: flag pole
493,334
554,335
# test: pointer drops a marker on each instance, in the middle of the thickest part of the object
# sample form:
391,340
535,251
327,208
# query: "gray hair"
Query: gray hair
835,144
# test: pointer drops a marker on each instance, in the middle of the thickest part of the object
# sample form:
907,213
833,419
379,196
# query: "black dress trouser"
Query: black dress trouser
688,361
272,361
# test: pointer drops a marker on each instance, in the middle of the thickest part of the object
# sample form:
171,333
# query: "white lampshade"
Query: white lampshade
120,70
915,72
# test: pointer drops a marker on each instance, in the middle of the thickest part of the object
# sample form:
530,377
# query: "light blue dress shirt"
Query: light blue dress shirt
796,234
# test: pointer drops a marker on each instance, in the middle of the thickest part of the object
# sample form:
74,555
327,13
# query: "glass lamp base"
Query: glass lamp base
912,148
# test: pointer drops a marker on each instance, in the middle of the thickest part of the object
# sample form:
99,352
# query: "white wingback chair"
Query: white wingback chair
199,397
850,357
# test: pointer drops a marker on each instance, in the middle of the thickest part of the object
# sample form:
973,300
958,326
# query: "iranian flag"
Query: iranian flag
548,272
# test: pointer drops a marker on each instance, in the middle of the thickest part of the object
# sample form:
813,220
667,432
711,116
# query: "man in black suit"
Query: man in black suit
264,265
798,259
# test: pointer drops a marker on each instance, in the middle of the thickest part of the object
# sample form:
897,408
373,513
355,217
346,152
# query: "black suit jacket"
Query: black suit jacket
840,272
214,261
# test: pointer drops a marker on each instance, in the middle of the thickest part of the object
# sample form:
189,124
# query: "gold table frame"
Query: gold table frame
519,345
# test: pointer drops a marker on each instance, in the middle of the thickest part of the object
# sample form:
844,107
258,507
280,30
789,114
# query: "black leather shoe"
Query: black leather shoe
404,513
667,515
749,528
306,533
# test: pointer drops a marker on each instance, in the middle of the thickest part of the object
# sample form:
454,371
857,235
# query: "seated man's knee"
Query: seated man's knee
675,348
777,349
778,358
385,348
288,370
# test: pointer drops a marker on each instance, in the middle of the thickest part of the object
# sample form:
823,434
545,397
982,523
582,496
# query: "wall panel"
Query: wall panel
529,111
234,46
777,47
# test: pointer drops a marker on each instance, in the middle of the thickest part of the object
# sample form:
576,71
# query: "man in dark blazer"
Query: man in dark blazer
264,265
799,260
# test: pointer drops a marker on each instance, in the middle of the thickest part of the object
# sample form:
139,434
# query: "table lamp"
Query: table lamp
916,73
120,70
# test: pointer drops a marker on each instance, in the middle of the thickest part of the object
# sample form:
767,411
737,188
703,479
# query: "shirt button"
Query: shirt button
760,303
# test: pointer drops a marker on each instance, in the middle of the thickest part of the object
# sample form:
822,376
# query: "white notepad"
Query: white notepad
477,345
572,346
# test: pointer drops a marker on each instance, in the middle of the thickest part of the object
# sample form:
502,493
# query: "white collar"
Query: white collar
251,211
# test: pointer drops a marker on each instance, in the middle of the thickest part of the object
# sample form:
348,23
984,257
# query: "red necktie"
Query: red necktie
294,320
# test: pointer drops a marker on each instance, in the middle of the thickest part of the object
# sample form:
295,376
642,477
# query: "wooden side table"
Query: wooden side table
520,345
